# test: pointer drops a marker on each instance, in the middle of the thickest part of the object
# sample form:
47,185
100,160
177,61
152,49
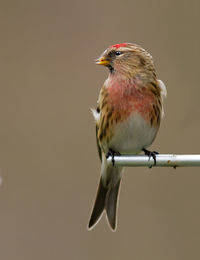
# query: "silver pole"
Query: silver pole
162,160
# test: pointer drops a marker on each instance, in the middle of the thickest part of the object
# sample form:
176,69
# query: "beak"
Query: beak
102,61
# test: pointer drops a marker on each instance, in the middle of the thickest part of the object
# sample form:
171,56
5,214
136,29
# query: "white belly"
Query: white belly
132,136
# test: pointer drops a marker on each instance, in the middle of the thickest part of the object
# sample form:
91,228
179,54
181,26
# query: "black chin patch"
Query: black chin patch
111,69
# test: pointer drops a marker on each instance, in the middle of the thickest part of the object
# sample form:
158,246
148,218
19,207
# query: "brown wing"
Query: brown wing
105,121
98,110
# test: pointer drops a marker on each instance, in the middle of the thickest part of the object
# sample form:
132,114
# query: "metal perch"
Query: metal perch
162,160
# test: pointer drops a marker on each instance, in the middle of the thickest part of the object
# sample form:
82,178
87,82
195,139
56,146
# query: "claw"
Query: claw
150,154
112,153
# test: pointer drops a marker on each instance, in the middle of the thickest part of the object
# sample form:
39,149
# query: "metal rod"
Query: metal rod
162,160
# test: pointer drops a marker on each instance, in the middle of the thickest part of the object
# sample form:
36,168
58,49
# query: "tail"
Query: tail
107,198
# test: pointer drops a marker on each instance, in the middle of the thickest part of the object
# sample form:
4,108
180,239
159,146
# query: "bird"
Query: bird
128,115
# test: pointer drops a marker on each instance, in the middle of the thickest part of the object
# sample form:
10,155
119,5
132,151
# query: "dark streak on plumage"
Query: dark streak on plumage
159,101
117,118
102,122
98,146
142,60
104,103
104,131
154,74
158,118
154,91
101,136
154,85
106,94
106,127
155,108
109,114
151,121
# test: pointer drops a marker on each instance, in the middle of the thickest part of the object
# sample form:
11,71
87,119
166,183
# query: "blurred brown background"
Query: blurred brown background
48,156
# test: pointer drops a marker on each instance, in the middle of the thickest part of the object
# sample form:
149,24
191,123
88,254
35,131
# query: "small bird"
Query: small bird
128,115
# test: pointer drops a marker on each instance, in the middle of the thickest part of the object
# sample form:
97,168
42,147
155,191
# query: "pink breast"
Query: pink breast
128,98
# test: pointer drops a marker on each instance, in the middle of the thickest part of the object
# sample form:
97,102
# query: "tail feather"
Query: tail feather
99,204
111,204
107,198
107,194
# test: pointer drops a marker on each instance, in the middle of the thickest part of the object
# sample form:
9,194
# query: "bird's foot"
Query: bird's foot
112,153
150,154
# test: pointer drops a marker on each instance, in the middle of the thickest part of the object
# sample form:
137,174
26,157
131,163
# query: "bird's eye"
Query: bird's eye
117,53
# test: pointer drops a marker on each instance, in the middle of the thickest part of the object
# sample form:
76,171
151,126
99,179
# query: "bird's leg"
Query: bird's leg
150,154
112,153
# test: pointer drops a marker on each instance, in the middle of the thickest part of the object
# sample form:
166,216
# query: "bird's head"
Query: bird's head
126,58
